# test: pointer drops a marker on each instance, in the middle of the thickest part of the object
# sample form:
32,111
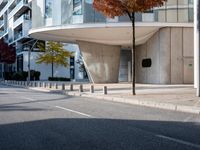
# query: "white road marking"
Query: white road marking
77,112
171,139
27,98
179,141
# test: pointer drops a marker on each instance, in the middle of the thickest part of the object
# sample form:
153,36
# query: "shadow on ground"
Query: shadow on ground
4,108
98,134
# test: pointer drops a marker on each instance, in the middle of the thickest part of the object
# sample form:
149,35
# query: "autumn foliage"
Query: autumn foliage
7,53
112,8
54,54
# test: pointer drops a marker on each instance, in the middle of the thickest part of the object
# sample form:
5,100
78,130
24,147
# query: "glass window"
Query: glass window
89,13
66,11
20,63
182,15
77,7
182,2
72,62
72,73
191,15
191,1
48,8
172,15
171,2
160,15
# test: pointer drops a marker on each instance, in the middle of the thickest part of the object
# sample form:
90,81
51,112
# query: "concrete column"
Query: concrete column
101,61
50,85
44,84
176,56
71,88
81,88
165,56
92,89
105,90
56,85
196,47
63,86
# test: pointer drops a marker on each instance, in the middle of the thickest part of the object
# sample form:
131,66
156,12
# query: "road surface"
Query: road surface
32,120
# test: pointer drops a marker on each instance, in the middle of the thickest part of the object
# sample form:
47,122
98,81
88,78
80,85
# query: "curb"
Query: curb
166,106
152,104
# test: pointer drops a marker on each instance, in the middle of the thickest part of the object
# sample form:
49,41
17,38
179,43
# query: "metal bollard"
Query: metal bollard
92,89
71,87
56,86
35,84
105,90
63,86
44,85
81,88
40,84
50,85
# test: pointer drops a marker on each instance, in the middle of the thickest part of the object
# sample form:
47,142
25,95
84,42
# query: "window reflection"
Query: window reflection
82,11
175,11
77,7
48,8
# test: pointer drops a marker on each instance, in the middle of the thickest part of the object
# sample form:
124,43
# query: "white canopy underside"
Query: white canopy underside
109,33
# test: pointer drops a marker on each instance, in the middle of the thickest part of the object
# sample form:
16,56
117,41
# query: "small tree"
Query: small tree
54,54
7,54
113,8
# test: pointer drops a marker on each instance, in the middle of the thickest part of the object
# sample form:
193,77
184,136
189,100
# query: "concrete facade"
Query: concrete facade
102,61
164,35
171,52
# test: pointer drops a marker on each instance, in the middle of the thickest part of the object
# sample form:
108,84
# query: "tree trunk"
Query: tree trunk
133,54
52,69
3,72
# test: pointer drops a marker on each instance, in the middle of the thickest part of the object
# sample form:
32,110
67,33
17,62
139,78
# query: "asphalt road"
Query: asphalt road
31,120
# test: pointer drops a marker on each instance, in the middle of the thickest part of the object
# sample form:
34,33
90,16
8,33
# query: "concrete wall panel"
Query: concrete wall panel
153,74
141,73
188,70
165,56
188,42
102,61
176,56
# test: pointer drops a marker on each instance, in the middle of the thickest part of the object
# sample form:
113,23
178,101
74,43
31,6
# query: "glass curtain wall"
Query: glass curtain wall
82,11
175,11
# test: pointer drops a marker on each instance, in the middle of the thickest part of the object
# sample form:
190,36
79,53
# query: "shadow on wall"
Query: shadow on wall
98,134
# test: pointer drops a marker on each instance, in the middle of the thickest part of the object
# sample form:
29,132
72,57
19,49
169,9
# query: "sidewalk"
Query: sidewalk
171,97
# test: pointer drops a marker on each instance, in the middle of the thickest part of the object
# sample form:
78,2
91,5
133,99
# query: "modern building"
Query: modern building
164,39
15,23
